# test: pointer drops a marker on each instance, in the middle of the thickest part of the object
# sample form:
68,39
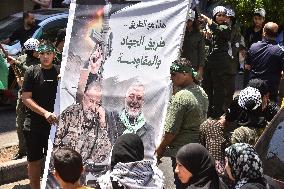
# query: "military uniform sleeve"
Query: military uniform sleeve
28,80
103,147
21,64
61,130
201,50
176,110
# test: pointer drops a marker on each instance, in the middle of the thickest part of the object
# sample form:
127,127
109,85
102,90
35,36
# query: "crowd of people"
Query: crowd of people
209,133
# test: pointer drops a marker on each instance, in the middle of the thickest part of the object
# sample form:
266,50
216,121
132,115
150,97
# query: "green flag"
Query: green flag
4,71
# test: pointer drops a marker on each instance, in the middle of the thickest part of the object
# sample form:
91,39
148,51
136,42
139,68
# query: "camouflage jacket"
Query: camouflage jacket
83,135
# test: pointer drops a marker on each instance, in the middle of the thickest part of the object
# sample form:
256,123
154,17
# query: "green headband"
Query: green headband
45,48
182,68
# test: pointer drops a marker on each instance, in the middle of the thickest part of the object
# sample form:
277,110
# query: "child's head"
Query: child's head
68,165
259,17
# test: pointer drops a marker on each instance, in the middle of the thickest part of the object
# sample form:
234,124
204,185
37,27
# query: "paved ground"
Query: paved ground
23,184
7,125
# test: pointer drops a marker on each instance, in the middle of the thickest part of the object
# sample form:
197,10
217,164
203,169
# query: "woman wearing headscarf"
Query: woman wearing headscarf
128,169
244,167
196,168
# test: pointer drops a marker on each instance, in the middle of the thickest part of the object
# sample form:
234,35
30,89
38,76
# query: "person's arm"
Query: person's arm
173,123
207,19
31,104
62,129
248,61
44,3
166,141
201,58
6,41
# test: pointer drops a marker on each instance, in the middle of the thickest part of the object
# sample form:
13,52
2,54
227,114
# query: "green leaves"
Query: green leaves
244,10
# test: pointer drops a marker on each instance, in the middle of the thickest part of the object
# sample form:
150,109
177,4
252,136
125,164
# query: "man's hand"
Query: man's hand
20,81
51,117
11,60
243,53
158,153
247,67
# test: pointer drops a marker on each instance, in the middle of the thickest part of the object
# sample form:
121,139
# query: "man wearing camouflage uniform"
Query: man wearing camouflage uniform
22,63
82,127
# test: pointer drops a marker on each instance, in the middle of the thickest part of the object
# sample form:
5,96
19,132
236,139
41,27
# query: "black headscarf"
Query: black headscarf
196,159
127,148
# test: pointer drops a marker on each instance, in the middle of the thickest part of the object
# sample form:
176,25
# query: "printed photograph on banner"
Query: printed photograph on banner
116,80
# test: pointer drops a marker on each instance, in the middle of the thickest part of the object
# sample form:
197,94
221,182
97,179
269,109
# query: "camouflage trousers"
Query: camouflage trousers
20,118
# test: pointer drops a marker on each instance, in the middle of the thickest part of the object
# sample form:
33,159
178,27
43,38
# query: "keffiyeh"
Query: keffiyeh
244,162
250,98
141,174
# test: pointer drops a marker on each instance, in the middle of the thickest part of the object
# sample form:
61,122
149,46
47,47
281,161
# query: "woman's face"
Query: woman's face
221,17
183,174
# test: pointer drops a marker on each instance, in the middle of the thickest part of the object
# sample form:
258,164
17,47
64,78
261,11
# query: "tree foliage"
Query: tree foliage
244,10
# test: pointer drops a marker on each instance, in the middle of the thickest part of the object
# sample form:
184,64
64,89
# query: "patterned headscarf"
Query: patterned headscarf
244,163
244,135
219,9
250,98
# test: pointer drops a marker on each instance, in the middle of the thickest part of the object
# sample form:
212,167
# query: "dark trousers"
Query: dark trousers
215,83
229,90
20,119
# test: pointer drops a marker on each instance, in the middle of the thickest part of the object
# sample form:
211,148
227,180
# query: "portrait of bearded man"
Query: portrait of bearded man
131,119
82,127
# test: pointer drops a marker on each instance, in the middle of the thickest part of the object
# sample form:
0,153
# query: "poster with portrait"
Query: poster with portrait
115,78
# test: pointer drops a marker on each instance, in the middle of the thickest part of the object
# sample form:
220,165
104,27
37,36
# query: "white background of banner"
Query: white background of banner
173,13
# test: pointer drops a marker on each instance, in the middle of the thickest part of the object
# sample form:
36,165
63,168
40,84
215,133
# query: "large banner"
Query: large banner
116,77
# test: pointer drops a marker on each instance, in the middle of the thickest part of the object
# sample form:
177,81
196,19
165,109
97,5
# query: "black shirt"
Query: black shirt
252,37
22,34
43,85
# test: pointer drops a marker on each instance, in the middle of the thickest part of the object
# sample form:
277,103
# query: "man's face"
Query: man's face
258,21
46,58
221,17
189,24
91,101
177,78
134,100
30,20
